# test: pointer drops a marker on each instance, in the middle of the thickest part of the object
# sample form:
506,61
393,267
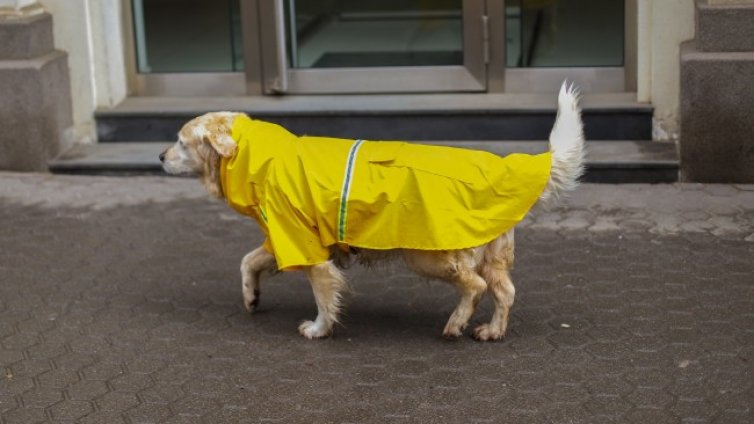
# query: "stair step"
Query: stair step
387,117
125,158
724,27
607,161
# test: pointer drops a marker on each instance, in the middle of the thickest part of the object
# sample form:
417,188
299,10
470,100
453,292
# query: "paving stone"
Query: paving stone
25,416
163,394
117,401
58,378
721,190
20,341
654,416
732,417
102,371
29,368
148,413
650,398
87,390
41,398
101,417
70,410
608,405
624,313
131,382
698,410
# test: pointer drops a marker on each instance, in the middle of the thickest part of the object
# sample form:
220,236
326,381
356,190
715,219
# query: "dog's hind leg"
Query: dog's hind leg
498,260
328,284
252,266
455,267
471,287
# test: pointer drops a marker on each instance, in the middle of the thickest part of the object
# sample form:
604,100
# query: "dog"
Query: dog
260,176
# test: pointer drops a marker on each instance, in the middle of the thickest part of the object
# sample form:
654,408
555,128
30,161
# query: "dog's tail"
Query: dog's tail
566,145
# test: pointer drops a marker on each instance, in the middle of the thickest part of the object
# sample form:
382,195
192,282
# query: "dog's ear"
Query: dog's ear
214,129
222,143
211,175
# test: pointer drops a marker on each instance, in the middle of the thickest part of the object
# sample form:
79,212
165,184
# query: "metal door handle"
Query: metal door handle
279,83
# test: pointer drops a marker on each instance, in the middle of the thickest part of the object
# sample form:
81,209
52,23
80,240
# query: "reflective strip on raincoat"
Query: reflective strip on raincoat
310,193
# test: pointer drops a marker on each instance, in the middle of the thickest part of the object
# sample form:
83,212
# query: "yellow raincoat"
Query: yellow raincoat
309,193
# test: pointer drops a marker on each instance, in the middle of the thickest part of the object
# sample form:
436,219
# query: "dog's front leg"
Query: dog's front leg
252,266
328,284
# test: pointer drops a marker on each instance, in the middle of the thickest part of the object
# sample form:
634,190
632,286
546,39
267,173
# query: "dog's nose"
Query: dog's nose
162,157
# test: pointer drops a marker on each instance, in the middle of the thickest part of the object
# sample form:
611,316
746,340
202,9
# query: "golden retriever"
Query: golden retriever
205,140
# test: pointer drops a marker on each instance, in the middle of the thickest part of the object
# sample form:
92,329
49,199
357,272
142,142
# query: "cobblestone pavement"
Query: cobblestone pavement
120,302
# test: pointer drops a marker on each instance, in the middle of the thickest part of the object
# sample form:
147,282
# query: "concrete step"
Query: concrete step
607,161
26,37
126,158
716,124
491,117
724,27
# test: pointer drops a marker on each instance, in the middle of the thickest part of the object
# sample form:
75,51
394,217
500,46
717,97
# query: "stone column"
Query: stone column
35,94
717,94
17,7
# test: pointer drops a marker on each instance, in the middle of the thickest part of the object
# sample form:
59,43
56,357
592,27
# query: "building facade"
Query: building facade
257,50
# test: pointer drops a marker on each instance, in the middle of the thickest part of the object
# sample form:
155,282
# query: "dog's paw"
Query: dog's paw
453,329
251,302
486,333
452,333
312,330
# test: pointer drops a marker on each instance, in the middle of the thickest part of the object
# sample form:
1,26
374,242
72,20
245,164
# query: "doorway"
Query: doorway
277,47
372,46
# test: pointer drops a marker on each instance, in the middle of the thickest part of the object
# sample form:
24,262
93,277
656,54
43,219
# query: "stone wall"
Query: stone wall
92,33
717,95
35,96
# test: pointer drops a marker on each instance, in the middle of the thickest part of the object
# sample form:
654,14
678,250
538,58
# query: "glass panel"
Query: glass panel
564,33
188,35
367,33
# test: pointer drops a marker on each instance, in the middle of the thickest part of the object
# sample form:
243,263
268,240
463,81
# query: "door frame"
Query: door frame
495,76
188,84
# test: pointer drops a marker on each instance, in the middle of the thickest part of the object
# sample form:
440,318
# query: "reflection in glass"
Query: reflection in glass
564,33
367,33
188,35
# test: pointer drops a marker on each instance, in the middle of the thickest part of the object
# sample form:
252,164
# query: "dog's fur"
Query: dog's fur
205,140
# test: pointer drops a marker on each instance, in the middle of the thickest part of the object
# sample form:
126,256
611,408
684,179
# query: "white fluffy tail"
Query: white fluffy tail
566,145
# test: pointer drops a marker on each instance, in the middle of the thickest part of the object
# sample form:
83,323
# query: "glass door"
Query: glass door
187,36
255,47
573,33
187,47
373,46
590,42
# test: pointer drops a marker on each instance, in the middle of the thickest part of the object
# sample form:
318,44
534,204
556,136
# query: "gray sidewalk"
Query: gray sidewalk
120,302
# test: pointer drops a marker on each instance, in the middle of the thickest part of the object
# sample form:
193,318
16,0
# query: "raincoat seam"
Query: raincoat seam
347,176
263,214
